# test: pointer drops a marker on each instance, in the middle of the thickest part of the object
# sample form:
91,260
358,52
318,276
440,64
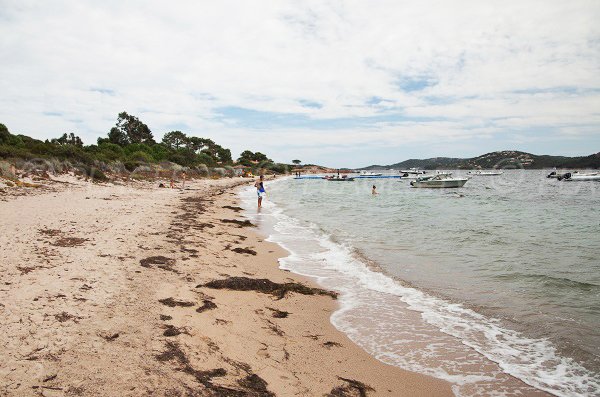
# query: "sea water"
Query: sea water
494,287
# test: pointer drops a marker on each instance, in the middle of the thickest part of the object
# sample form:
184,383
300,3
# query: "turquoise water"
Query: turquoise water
479,285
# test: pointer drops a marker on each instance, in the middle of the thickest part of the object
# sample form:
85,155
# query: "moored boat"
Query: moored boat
592,176
412,171
369,173
439,181
340,179
485,173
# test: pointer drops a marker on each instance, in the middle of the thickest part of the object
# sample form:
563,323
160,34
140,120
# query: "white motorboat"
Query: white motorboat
485,173
591,176
439,181
368,173
412,171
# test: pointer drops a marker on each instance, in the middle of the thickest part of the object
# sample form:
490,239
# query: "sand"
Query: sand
103,293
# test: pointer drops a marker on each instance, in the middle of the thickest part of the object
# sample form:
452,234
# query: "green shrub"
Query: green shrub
97,175
91,172
279,168
141,156
110,151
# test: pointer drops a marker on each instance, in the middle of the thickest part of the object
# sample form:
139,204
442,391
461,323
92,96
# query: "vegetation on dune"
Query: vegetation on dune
130,146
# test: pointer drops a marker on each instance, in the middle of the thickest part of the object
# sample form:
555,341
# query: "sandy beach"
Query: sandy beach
135,290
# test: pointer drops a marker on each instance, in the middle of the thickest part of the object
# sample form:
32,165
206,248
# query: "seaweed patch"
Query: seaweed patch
279,290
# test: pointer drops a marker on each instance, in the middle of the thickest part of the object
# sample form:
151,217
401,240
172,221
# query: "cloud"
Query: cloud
378,73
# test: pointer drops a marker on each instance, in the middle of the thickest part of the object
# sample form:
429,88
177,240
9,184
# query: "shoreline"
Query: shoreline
105,293
370,303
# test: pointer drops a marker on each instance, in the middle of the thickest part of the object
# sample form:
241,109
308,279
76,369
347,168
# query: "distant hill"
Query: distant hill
503,159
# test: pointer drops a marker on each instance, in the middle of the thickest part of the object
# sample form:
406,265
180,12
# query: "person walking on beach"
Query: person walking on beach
260,190
374,191
183,176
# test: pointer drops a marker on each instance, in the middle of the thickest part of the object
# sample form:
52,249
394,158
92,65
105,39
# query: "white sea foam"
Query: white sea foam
448,341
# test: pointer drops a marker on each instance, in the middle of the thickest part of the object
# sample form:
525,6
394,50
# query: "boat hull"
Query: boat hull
575,178
490,173
443,183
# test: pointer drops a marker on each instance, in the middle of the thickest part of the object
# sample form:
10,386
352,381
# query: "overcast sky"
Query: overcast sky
340,83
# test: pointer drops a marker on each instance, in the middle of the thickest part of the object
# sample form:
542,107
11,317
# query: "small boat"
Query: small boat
339,178
368,173
485,173
439,181
591,176
412,171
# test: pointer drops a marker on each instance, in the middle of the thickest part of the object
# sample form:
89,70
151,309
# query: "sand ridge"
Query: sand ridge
110,290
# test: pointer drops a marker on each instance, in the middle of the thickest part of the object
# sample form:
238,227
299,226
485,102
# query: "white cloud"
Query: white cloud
492,66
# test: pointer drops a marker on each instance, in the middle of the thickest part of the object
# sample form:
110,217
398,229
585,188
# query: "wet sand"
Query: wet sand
129,291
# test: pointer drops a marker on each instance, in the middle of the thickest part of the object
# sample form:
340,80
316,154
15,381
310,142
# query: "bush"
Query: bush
168,166
202,170
184,157
160,152
97,175
279,168
110,151
5,170
117,167
131,165
7,152
218,171
141,156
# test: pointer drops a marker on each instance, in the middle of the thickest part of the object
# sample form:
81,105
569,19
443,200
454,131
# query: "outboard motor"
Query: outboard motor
550,175
567,175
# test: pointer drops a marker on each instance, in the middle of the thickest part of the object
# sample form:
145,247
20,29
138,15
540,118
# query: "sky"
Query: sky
338,83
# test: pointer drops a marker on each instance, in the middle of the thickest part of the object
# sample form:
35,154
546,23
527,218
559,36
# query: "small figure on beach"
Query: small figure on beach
183,176
260,190
172,183
374,191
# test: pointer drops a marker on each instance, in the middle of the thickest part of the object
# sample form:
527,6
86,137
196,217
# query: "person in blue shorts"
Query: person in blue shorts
260,190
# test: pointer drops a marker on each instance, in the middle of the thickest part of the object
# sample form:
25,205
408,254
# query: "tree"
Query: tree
175,139
118,137
197,144
70,139
246,158
297,162
258,156
4,134
250,159
224,155
131,127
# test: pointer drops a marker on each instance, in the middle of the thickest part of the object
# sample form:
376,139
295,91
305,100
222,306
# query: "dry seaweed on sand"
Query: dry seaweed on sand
25,269
236,209
164,317
253,385
278,313
171,330
275,328
50,232
162,262
64,316
352,388
330,344
206,305
244,223
241,250
256,385
173,302
69,241
279,290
